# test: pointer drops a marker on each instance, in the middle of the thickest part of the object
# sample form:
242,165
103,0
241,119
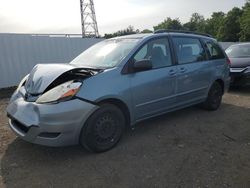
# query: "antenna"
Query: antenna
88,18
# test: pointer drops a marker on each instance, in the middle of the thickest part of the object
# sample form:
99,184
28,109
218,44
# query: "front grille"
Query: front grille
19,126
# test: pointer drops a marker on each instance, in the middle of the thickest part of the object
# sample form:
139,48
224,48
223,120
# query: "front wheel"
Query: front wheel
214,97
103,129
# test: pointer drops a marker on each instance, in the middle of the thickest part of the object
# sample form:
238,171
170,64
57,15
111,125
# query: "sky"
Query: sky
63,16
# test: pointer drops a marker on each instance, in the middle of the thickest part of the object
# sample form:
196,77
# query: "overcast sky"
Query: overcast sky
63,16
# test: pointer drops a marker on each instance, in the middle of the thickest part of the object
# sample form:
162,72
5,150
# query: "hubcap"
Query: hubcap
106,128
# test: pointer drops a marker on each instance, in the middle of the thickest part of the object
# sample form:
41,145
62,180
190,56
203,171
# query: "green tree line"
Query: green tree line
228,27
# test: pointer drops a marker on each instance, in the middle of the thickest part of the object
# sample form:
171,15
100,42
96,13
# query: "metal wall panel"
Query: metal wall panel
19,53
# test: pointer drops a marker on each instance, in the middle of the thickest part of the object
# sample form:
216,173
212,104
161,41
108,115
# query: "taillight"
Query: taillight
228,62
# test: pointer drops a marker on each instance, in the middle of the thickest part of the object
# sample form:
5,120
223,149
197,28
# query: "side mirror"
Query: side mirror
142,65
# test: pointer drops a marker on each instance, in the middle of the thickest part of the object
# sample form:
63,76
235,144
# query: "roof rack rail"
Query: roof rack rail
181,31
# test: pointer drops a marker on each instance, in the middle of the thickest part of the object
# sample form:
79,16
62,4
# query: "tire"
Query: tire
214,97
103,130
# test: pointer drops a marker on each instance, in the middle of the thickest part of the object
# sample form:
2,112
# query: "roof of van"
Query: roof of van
164,32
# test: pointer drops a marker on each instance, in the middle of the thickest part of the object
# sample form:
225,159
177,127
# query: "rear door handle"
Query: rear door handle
172,72
183,69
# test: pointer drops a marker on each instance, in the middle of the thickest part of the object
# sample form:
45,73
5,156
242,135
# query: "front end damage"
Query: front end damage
54,123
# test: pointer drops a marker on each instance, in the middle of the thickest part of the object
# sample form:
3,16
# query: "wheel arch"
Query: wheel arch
222,84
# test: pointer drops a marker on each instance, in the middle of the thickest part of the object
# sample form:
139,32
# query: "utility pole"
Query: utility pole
88,18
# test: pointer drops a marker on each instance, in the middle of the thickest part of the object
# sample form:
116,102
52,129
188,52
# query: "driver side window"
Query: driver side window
157,51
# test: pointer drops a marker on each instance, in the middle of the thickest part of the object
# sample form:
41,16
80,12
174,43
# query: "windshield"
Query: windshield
106,54
238,51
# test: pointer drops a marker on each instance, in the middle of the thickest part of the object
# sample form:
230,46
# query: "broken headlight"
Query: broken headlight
59,93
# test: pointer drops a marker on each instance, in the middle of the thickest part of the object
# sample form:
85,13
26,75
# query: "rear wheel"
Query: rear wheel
103,129
214,97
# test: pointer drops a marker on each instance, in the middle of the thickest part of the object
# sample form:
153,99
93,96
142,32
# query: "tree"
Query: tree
128,31
230,28
233,26
245,23
214,23
172,24
197,23
146,31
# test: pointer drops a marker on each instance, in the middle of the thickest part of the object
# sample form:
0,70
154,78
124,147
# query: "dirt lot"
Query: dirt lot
187,148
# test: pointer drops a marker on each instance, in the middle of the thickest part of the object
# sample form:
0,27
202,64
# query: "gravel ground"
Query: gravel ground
187,148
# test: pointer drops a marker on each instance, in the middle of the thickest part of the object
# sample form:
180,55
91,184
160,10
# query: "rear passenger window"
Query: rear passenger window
188,50
215,52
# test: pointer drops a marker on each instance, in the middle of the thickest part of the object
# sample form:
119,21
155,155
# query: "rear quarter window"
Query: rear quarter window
214,50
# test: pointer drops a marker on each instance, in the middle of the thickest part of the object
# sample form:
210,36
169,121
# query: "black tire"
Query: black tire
103,130
214,97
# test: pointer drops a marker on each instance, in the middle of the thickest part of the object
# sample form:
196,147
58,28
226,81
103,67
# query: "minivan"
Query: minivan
117,83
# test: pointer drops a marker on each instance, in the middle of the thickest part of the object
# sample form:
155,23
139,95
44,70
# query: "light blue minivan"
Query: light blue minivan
116,83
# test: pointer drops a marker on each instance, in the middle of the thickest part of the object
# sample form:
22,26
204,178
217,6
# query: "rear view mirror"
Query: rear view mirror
142,65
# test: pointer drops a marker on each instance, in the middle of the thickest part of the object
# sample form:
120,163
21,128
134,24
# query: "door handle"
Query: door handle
183,69
172,72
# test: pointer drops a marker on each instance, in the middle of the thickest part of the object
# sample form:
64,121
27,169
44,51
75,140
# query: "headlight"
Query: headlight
22,82
64,91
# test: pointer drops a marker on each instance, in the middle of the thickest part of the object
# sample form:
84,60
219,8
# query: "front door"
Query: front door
153,91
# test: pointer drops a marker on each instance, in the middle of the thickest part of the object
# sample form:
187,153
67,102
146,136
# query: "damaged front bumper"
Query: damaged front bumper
48,124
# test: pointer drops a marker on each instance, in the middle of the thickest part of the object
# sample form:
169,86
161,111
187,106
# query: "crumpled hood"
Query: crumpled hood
42,75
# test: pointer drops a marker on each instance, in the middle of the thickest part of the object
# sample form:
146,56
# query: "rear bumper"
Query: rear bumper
240,76
48,124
